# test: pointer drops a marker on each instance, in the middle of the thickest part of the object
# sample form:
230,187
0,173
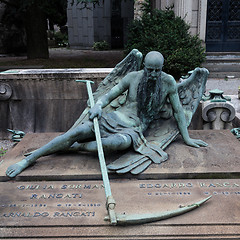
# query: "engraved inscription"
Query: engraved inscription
83,203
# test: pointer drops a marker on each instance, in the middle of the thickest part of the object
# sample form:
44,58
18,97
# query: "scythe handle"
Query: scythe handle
110,202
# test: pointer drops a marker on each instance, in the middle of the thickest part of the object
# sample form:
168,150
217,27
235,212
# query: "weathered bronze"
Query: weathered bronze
17,135
131,102
128,102
236,132
123,219
110,203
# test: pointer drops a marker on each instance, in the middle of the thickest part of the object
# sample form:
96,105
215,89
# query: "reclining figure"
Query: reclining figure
129,103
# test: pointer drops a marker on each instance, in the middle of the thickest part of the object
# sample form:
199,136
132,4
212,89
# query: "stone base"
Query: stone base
62,195
67,209
220,159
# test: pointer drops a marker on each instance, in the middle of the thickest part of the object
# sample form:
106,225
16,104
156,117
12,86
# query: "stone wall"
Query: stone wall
44,100
80,26
86,26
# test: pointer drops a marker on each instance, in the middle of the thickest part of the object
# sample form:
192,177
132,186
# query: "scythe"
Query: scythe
123,219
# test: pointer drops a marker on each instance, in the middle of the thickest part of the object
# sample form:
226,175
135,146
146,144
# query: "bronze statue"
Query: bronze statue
129,102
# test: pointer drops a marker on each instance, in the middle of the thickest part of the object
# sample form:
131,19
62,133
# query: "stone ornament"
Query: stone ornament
5,91
217,111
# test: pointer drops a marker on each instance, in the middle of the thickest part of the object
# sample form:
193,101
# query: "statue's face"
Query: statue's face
153,71
153,65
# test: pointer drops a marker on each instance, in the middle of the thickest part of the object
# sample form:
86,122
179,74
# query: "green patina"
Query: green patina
128,102
216,95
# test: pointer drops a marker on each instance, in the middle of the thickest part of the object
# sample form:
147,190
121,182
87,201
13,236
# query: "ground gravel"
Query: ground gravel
7,144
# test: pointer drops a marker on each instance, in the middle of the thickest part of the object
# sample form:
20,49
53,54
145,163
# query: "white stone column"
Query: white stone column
183,9
202,19
162,4
158,4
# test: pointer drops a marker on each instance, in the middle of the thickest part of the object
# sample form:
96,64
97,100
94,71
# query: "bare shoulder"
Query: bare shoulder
134,76
169,81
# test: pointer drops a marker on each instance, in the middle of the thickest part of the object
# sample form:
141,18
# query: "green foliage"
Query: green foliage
164,32
25,22
61,39
55,10
101,46
2,152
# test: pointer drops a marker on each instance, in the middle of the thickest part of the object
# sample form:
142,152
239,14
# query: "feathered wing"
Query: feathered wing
131,62
163,131
190,93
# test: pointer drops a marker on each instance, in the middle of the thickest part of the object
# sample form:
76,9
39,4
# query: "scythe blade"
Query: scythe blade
124,219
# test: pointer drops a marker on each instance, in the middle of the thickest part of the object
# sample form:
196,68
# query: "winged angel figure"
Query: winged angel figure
129,103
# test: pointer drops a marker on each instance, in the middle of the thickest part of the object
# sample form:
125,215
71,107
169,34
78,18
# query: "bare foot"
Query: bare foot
17,168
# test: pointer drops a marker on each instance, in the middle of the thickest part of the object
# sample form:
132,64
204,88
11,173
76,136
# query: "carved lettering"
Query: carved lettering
43,197
23,214
34,196
180,185
74,214
58,195
189,185
211,185
236,185
166,185
215,185
51,196
48,187
226,184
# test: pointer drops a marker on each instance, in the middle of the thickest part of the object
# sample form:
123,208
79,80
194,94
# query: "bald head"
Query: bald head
154,58
153,63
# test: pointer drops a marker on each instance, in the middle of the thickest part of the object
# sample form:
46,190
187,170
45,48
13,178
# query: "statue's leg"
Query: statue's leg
112,143
59,143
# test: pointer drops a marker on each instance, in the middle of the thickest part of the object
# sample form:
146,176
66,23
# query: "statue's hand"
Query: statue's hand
195,143
95,111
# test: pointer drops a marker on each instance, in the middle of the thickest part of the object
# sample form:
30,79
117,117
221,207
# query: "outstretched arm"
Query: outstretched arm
181,120
116,91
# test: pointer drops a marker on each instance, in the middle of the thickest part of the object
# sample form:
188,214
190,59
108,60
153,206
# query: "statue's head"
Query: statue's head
153,63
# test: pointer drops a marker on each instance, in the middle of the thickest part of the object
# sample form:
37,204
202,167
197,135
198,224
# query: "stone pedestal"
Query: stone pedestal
62,196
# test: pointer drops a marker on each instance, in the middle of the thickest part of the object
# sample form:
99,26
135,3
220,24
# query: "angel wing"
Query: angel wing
131,62
190,93
163,131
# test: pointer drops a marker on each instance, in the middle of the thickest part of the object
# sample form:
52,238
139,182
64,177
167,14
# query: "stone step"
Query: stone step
215,57
224,75
222,65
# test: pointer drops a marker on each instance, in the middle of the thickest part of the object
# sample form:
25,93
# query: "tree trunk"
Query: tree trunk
36,30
